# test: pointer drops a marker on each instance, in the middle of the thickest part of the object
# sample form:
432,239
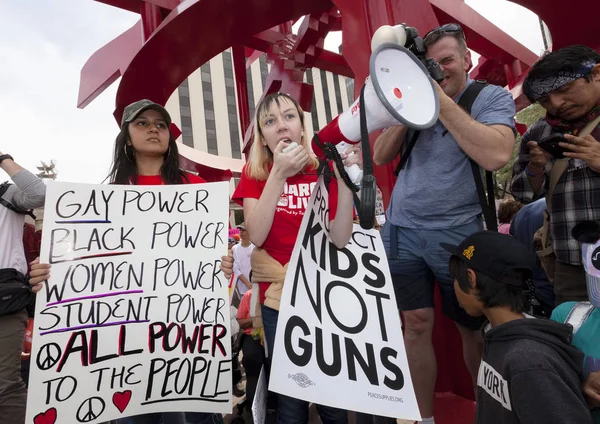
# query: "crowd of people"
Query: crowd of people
524,299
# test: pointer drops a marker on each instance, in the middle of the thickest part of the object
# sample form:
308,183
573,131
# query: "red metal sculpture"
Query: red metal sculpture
173,38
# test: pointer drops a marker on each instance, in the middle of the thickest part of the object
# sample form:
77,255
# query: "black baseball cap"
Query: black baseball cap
495,255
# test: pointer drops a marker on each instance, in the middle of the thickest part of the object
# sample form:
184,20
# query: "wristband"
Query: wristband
5,157
528,172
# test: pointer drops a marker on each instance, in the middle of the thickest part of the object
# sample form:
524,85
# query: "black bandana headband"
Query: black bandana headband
539,87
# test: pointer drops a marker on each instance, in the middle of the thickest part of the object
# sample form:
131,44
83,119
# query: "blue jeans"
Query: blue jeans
203,418
174,418
291,410
155,418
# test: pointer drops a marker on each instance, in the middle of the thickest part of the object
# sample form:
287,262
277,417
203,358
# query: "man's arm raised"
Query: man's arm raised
388,144
490,146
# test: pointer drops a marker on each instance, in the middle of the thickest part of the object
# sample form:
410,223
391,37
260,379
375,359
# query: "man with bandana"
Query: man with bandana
567,84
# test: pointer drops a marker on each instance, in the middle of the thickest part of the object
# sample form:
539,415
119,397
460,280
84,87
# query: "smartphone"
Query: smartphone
550,144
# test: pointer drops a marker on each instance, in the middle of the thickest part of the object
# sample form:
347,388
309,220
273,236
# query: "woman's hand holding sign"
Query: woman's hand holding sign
39,273
227,264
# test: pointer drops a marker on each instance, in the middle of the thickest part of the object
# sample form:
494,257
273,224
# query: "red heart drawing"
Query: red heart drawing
121,400
48,417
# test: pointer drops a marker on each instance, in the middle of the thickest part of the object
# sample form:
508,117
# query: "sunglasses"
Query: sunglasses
444,29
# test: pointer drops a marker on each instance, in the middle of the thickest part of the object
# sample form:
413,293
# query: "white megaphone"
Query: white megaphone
398,91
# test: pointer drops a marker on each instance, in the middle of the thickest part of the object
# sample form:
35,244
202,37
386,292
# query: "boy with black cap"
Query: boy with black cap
530,373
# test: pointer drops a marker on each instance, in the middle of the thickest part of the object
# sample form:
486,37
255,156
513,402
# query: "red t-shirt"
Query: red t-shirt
289,213
243,311
157,179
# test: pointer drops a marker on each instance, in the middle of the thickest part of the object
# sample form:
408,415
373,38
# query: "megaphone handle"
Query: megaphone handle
368,194
353,171
331,153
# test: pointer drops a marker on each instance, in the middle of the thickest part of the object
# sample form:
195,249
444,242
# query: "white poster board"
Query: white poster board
135,316
339,339
259,403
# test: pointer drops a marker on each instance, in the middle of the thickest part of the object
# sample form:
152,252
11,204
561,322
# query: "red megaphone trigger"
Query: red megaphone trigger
331,133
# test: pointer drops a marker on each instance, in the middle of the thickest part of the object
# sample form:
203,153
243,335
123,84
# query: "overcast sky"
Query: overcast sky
45,43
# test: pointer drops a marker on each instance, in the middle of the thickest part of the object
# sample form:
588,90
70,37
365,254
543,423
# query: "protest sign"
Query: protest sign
379,208
339,339
135,316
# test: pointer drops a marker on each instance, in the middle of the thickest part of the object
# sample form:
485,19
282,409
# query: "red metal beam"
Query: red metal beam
327,60
241,85
264,39
572,22
482,36
333,62
136,5
107,64
151,19
166,57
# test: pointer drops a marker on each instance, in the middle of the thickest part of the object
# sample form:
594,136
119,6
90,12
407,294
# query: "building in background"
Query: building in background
204,106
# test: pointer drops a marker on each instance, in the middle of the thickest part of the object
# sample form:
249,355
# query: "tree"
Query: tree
503,176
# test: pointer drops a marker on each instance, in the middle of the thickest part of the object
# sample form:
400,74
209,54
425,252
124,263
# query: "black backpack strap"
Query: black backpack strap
488,204
325,171
3,187
411,136
7,204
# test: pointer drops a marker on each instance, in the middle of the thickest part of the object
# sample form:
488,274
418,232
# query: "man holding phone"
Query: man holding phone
567,84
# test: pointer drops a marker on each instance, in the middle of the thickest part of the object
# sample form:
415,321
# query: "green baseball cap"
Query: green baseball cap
134,109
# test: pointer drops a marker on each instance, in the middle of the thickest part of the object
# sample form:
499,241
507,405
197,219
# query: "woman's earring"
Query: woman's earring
169,151
126,155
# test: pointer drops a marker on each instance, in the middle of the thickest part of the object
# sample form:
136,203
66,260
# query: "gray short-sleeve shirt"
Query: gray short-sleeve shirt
436,189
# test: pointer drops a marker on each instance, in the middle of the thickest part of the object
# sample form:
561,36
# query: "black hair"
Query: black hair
124,168
567,59
490,292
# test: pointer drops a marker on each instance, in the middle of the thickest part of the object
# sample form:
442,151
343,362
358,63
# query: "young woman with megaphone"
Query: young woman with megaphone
274,189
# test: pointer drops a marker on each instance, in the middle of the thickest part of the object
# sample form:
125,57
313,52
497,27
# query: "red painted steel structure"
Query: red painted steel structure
173,38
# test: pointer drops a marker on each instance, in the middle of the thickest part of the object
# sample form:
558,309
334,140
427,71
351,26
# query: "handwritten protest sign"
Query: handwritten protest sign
134,318
379,208
339,340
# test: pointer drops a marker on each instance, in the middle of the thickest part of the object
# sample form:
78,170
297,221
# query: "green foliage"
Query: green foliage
503,176
531,114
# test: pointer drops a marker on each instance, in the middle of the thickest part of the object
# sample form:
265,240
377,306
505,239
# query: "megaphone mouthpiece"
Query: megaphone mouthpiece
388,34
290,147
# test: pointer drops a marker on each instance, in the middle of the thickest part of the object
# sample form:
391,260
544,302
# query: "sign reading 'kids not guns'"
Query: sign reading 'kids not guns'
339,340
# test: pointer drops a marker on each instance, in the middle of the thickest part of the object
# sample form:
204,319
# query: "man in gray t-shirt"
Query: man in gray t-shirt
435,200
27,192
